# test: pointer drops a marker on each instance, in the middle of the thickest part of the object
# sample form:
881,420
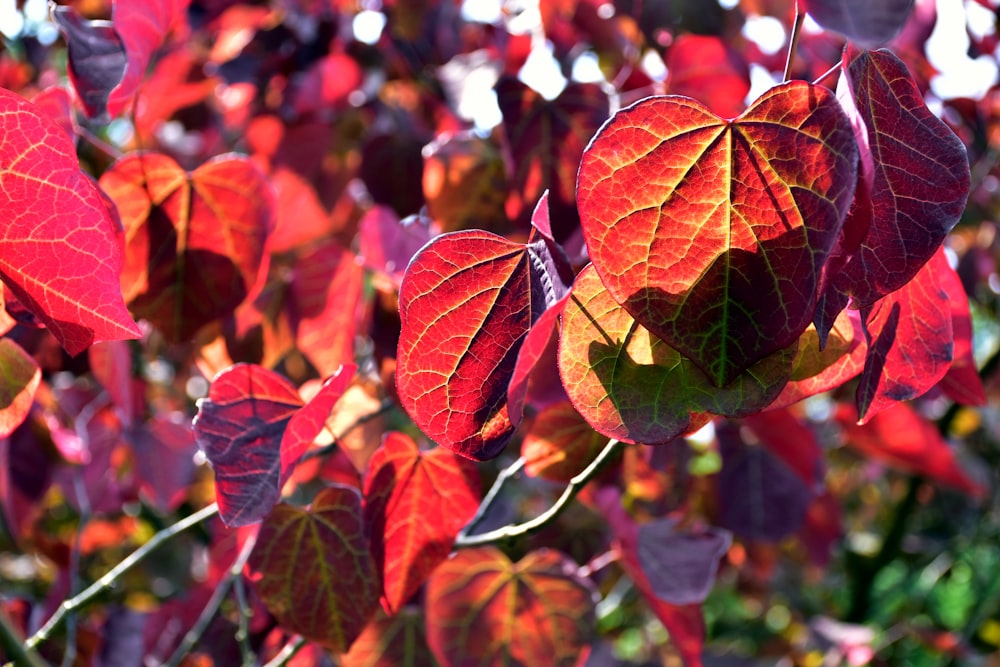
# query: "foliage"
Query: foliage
287,284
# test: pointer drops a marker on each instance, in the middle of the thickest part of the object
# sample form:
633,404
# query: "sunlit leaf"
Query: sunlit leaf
415,504
714,233
559,444
630,385
312,569
391,641
484,610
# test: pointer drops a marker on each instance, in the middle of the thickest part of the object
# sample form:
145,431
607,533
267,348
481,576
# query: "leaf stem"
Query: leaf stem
108,580
793,41
287,653
511,531
213,605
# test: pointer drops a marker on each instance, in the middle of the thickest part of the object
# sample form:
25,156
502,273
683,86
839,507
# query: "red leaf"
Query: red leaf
415,504
253,428
535,380
866,23
484,611
559,444
391,641
706,68
630,385
902,438
194,241
962,382
714,233
313,571
387,243
910,347
59,254
920,178
466,304
19,378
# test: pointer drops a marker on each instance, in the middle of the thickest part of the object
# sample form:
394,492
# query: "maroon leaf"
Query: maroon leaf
19,378
391,641
466,304
111,365
96,58
415,504
483,610
869,23
920,178
910,347
783,434
59,254
164,451
313,571
387,243
680,565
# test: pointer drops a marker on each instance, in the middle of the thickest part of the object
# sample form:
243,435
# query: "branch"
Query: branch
287,653
793,41
464,540
108,580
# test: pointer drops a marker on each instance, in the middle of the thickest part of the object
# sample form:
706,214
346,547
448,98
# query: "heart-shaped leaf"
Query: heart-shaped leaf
630,385
19,378
194,241
312,569
869,23
484,610
467,301
59,253
714,233
681,565
919,183
415,504
253,428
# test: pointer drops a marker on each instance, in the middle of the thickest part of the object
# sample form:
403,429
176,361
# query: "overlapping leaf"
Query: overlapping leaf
391,641
919,182
415,504
559,444
467,301
19,378
484,610
630,385
312,568
866,22
195,241
714,233
96,58
253,428
911,343
59,252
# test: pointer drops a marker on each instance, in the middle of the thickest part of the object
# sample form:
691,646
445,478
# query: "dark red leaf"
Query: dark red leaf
387,243
466,304
19,378
680,564
910,347
630,385
906,440
784,434
962,382
164,449
96,59
714,233
535,380
195,241
415,504
112,366
484,611
866,23
59,254
313,571
920,179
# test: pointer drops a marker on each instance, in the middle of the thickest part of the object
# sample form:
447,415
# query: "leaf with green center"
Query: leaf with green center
194,241
312,569
415,504
630,385
59,252
19,378
713,234
485,611
919,183
466,304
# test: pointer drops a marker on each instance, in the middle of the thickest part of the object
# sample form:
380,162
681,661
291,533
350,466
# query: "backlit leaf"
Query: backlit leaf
485,611
19,378
906,440
559,444
706,68
312,569
920,178
714,233
910,347
467,301
59,254
869,23
195,241
415,504
630,385
391,641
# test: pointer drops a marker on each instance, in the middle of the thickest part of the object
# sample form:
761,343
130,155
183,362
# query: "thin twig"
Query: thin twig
508,532
793,41
108,580
213,605
287,653
830,72
243,624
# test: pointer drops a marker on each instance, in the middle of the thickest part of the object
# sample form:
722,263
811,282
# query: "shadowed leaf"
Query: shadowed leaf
869,23
680,565
559,444
96,58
